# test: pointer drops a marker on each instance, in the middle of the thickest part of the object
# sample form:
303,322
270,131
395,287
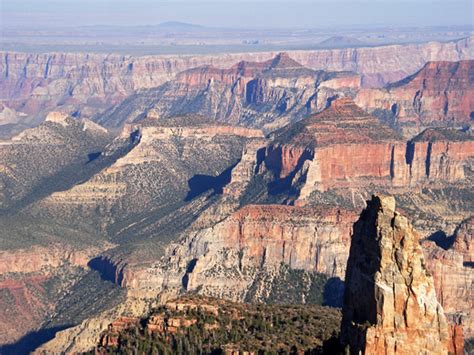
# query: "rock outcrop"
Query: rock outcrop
450,263
343,146
464,241
440,94
390,304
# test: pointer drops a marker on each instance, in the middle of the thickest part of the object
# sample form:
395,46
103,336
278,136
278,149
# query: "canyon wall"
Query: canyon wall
254,94
440,94
345,148
83,84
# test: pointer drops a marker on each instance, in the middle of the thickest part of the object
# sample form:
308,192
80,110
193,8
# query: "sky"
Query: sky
237,13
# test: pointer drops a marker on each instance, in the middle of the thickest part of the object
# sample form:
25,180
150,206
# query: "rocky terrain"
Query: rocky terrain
345,153
449,261
83,85
400,314
439,94
263,248
185,193
385,255
254,94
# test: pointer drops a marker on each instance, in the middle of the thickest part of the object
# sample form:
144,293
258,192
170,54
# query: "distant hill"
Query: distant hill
341,41
179,26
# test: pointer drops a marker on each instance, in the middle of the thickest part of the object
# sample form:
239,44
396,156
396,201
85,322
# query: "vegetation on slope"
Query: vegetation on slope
196,325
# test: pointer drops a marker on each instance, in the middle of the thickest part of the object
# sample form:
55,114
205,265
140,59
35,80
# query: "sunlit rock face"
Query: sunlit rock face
390,304
440,94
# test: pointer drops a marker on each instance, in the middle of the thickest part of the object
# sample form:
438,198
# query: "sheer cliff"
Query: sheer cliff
390,304
439,94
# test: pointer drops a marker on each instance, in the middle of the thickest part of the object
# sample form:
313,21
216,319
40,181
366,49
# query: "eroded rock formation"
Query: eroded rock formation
390,304
449,261
440,94
254,94
32,84
345,148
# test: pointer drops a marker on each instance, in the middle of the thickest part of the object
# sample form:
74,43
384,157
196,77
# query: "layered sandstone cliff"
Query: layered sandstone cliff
254,94
33,84
390,304
440,94
450,263
345,148
251,242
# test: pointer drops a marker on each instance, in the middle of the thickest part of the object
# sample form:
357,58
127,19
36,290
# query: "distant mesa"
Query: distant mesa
179,26
341,41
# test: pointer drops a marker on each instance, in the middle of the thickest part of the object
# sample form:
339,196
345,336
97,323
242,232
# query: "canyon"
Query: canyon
259,236
236,177
264,94
263,247
84,85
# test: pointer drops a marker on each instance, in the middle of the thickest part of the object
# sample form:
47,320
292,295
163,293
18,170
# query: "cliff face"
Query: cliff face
30,282
390,304
439,94
464,242
253,94
34,84
264,237
450,264
249,247
345,148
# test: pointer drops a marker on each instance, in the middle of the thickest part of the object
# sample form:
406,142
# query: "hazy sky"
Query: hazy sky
237,13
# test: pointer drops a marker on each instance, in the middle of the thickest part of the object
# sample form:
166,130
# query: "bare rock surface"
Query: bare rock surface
390,304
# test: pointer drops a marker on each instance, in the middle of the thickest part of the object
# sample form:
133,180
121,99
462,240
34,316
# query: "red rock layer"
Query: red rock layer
346,148
23,305
441,93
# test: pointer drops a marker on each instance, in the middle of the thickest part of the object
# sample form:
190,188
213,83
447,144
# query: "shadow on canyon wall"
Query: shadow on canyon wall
31,341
